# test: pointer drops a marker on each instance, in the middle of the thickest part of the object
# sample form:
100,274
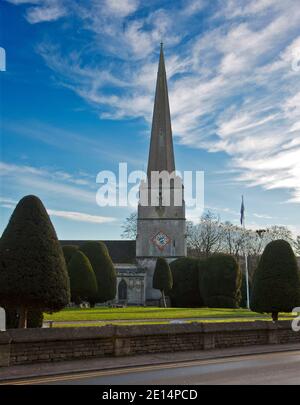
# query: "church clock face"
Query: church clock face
160,240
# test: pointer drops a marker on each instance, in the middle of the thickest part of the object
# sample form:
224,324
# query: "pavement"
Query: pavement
159,368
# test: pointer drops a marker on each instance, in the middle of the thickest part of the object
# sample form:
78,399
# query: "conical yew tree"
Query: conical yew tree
220,281
162,278
83,281
276,284
69,251
185,291
103,267
33,273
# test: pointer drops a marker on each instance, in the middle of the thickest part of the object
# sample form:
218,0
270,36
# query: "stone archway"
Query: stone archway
122,290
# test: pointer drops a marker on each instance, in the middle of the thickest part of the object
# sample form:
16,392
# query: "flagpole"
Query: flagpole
247,276
246,256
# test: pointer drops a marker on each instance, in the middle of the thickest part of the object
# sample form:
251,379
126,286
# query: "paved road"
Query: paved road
274,368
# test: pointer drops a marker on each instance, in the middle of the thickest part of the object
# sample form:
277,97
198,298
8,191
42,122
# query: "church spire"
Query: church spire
161,154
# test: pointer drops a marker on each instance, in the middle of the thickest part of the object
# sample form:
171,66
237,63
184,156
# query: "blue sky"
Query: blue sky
77,98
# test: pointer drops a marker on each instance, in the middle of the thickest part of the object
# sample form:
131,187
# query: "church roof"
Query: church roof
120,251
161,154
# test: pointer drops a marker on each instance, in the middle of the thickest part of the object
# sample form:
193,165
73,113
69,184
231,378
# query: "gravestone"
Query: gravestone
2,320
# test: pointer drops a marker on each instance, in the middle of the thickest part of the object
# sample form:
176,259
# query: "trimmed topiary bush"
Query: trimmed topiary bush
162,278
33,273
185,291
276,284
69,251
220,282
103,267
83,281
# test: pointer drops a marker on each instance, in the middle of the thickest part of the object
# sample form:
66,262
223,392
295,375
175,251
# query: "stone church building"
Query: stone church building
161,229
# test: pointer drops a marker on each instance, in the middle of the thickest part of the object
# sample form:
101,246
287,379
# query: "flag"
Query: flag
242,211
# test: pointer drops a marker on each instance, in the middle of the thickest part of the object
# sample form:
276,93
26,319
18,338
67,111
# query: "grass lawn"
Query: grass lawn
128,323
153,315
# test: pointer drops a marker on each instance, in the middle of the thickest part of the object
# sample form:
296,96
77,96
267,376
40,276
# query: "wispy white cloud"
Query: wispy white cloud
48,12
225,210
232,85
17,2
120,8
52,135
58,175
43,10
4,200
53,182
80,216
262,216
194,6
69,215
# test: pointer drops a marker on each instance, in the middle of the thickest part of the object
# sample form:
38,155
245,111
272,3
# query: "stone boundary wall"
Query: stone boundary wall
27,346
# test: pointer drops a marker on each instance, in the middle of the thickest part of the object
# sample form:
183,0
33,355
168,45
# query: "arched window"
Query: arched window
122,290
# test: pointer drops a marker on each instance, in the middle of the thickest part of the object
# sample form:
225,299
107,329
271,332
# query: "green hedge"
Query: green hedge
69,251
35,319
83,281
162,278
220,282
185,291
103,267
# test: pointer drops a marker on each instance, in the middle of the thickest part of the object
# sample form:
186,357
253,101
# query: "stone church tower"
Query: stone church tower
161,225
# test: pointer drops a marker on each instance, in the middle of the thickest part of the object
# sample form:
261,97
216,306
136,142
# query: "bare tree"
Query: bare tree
130,227
279,232
211,236
205,238
297,245
233,239
254,242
